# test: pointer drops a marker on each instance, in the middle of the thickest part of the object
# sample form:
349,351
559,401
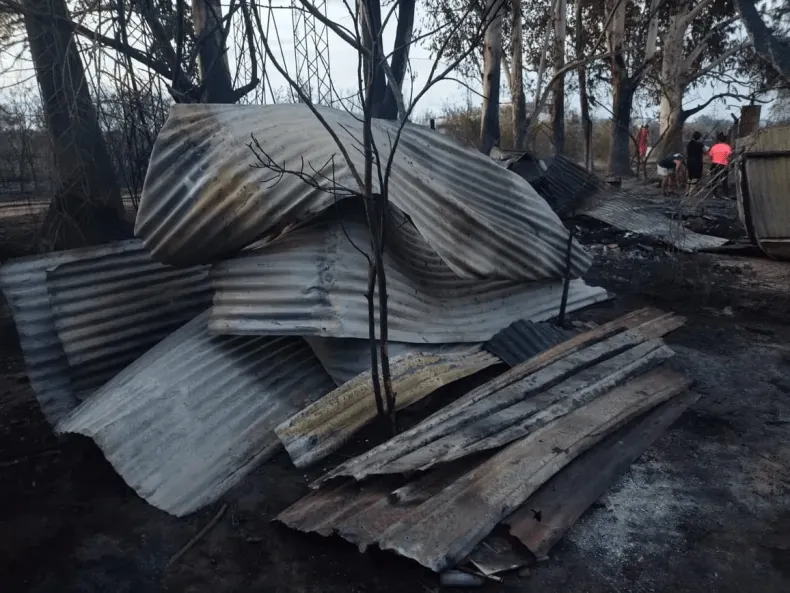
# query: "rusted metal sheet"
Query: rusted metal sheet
524,398
24,284
110,309
522,340
313,281
763,179
548,514
439,518
195,414
323,427
202,200
629,213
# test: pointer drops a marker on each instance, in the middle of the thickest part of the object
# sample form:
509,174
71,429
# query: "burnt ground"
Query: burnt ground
707,508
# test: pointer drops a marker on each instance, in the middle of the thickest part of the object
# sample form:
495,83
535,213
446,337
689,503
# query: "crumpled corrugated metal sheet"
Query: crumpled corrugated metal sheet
196,413
24,284
345,358
109,309
326,425
565,185
438,519
203,200
505,408
546,516
313,282
523,339
629,213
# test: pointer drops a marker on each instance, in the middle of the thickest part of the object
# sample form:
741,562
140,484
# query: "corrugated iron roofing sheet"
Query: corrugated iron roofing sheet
523,339
505,408
196,413
438,519
24,284
313,282
345,358
629,213
203,200
110,309
323,427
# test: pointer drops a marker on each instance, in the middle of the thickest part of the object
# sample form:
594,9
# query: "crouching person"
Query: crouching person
669,168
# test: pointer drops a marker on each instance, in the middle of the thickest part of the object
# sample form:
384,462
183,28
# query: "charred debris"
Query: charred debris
235,325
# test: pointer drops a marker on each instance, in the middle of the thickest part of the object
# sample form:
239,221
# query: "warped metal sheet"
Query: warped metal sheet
313,282
202,200
629,213
439,518
24,284
523,339
110,309
565,185
345,358
523,399
323,427
195,414
545,517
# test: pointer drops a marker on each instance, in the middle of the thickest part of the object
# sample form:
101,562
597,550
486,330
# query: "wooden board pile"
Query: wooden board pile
529,450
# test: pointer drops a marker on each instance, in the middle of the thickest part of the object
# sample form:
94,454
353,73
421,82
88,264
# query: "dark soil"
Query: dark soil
705,509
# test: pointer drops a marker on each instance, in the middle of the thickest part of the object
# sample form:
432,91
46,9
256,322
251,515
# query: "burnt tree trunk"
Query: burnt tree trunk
584,100
517,81
215,76
375,77
492,62
400,56
620,139
87,207
558,92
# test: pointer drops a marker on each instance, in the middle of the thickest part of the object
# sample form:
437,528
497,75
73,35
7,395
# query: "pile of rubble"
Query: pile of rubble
237,324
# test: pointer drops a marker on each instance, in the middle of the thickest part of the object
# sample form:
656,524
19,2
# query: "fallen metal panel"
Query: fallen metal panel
565,185
326,425
631,214
548,514
313,282
202,200
764,175
523,339
196,413
506,407
438,519
345,358
24,284
110,309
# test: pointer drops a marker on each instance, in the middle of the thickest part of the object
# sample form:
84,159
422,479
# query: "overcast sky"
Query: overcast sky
343,71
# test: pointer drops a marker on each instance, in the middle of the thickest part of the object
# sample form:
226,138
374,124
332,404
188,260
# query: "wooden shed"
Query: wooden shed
764,189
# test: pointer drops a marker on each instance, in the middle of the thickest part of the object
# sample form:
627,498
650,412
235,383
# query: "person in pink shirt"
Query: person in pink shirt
720,160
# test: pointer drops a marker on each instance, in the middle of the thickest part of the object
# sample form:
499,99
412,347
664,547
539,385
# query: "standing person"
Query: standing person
644,139
720,160
694,152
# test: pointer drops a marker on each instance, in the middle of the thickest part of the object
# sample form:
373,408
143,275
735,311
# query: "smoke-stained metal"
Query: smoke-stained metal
196,413
203,200
110,309
313,281
522,340
24,284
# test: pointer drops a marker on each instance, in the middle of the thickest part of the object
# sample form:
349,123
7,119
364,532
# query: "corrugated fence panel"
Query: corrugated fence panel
24,283
313,282
109,310
196,413
203,200
523,339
